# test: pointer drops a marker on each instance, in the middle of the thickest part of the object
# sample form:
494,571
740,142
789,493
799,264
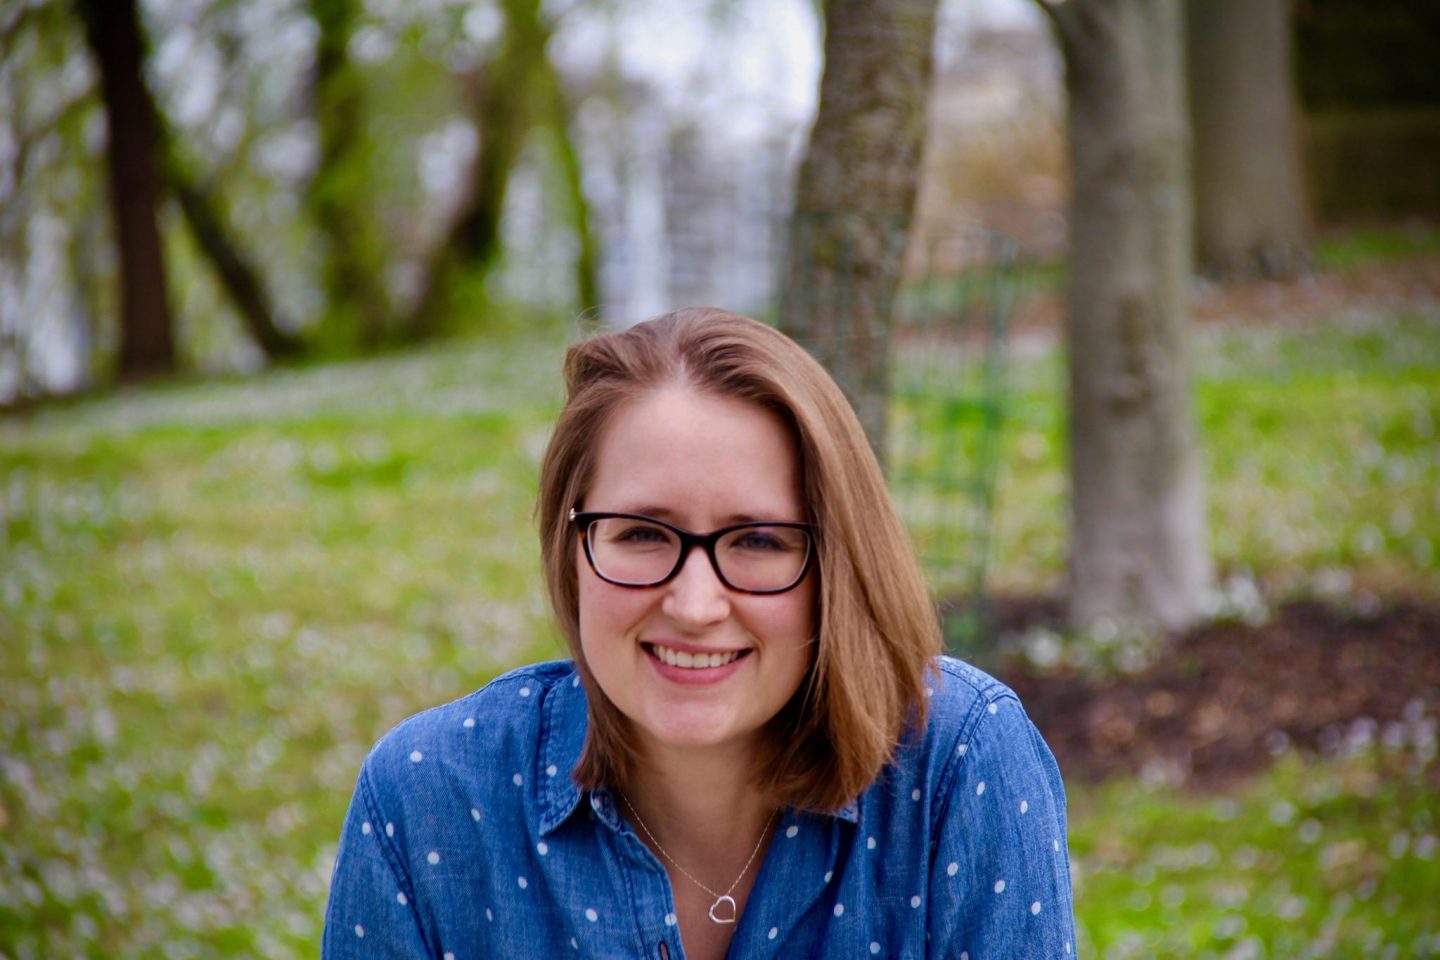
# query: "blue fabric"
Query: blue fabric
466,838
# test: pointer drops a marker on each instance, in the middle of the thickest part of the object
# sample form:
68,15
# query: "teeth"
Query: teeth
693,661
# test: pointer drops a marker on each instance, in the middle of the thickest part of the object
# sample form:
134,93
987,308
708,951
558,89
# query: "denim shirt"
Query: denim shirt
466,838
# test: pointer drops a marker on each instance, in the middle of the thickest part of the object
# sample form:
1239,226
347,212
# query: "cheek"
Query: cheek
806,610
606,612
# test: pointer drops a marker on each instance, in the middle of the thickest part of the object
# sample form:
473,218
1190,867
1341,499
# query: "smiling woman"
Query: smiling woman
756,750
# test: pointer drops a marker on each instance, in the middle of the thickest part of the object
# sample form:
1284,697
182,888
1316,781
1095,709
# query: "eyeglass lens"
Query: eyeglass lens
757,557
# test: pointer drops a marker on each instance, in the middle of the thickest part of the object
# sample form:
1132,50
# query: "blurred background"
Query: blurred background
284,290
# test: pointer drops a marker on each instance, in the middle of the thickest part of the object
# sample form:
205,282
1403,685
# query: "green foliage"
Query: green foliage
213,599
1336,421
1361,246
1314,860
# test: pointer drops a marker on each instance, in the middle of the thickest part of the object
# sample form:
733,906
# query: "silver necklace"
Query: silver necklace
717,909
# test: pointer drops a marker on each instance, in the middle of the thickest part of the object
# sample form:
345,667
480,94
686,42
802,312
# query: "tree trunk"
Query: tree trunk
147,344
1250,211
358,303
237,272
856,194
587,270
1138,555
507,105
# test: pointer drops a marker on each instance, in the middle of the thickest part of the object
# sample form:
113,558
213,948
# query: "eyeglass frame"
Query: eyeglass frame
583,520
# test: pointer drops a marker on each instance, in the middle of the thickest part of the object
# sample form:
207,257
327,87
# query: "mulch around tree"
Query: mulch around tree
1222,701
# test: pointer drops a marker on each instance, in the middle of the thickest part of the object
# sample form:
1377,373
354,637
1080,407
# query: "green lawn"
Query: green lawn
214,597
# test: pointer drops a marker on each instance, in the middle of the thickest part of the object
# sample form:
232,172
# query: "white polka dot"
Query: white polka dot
416,756
575,680
573,944
475,814
359,930
915,794
963,749
401,899
953,869
517,780
489,916
524,691
433,856
1035,907
670,920
980,788
449,955
993,708
551,770
999,886
1024,806
870,844
964,955
1067,946
839,909
542,848
365,828
929,691
774,932
1056,845
389,829
874,947
792,832
523,882
469,722
828,875
591,915
915,900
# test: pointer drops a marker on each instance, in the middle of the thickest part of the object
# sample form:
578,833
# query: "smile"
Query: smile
693,661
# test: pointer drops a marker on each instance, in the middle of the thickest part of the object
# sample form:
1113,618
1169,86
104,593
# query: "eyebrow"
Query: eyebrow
665,513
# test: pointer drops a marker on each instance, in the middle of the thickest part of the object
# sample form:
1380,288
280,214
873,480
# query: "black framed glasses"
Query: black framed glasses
632,550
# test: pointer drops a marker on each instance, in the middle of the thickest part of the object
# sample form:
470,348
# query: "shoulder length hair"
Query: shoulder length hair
876,625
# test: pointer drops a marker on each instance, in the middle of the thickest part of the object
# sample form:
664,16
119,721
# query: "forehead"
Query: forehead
696,457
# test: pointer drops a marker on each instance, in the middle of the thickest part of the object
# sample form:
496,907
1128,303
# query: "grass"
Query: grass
1340,422
214,597
1340,858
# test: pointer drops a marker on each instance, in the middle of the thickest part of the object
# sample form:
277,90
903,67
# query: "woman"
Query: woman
756,750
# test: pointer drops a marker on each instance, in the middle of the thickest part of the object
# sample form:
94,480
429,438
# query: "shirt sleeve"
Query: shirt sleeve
371,913
1000,868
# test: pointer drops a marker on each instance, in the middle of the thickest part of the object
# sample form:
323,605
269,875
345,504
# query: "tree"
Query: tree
339,199
234,267
508,100
856,194
1251,216
1138,554
112,29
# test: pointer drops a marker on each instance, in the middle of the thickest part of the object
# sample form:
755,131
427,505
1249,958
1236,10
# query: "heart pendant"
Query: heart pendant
718,912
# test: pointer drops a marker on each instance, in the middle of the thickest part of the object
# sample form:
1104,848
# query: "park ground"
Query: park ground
215,595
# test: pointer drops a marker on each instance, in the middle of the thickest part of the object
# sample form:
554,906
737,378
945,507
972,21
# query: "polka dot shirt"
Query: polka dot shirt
466,838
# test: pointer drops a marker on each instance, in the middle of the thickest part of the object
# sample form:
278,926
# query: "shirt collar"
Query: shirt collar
562,738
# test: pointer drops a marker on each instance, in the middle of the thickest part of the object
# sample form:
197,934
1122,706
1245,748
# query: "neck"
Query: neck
701,806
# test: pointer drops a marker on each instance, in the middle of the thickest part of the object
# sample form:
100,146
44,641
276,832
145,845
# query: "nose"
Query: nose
696,597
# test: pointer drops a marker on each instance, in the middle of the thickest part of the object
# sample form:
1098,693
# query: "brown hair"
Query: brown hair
876,625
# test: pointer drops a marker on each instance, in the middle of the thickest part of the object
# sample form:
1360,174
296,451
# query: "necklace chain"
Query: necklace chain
719,897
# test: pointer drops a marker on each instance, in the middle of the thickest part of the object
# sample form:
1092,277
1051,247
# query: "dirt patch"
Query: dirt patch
1221,702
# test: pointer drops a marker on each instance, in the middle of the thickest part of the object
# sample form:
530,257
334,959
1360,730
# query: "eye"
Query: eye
641,533
768,540
634,533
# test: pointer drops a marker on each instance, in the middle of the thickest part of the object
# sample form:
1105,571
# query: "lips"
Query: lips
693,660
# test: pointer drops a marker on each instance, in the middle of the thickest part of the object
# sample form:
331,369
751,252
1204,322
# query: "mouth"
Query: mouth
689,660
